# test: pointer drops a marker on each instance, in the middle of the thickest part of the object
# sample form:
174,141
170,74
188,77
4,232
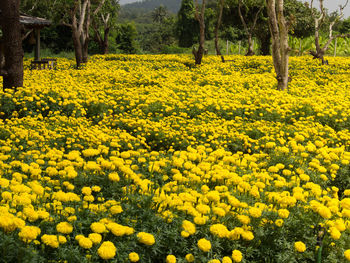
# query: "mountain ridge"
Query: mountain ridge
173,6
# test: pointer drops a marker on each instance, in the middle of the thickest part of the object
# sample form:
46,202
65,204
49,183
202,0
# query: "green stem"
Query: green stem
319,255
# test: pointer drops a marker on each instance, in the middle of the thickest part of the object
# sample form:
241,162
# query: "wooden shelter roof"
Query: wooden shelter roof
33,22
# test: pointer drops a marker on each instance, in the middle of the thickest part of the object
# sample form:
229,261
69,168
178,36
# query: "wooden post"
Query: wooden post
335,47
226,47
300,47
37,45
239,47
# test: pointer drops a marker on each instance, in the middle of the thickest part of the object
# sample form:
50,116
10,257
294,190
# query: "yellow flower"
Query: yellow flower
204,244
189,227
347,254
279,222
255,212
189,258
29,233
226,260
134,257
237,255
95,238
85,242
86,190
170,259
98,227
283,213
107,250
335,233
219,230
50,240
299,246
116,209
324,211
64,228
62,239
146,238
114,177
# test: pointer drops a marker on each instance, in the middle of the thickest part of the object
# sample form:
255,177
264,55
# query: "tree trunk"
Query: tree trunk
218,24
280,48
12,41
85,33
77,45
198,54
102,43
105,41
250,51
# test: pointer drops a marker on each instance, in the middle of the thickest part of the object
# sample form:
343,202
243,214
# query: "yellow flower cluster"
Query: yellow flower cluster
212,151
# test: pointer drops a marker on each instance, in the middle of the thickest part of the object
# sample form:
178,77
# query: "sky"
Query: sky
331,5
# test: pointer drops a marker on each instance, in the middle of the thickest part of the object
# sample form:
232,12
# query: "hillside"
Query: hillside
173,6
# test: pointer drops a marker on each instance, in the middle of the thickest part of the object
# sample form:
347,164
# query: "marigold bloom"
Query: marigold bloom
347,254
170,259
204,244
226,260
299,246
189,258
85,242
237,255
95,238
107,250
146,238
98,227
29,233
134,257
64,228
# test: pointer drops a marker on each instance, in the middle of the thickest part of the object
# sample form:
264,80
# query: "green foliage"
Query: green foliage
187,25
300,15
126,35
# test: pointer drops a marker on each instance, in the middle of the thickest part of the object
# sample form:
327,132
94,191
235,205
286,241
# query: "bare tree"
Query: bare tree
12,44
102,22
280,49
319,21
218,24
249,29
199,15
80,18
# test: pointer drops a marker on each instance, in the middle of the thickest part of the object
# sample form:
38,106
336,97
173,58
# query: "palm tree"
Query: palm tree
159,14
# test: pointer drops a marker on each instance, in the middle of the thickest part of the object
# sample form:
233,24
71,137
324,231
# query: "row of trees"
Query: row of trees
269,21
279,27
85,18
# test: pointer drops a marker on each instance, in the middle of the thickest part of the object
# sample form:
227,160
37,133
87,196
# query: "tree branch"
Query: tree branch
27,34
99,7
241,16
82,13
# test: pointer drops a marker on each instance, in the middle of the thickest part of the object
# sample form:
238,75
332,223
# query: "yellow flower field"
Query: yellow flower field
153,159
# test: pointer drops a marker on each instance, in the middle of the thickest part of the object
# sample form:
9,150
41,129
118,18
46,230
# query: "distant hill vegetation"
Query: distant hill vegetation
173,6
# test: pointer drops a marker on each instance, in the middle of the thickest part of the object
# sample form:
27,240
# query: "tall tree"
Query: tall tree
249,28
126,34
12,43
280,49
217,27
159,14
199,15
319,21
76,14
103,20
187,25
